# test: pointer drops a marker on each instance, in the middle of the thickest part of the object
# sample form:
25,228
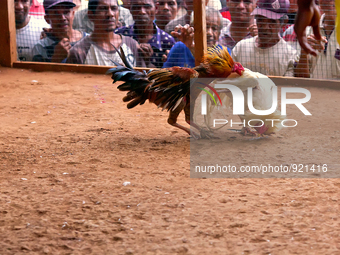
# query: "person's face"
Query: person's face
143,11
240,11
60,17
268,29
213,30
22,7
166,10
105,17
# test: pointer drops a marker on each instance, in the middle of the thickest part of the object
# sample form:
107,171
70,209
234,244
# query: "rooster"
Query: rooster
262,100
169,88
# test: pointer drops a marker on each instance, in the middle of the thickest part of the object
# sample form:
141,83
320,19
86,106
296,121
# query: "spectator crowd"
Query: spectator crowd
159,33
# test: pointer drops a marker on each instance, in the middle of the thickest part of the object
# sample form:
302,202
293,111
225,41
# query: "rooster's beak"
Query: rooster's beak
238,68
239,72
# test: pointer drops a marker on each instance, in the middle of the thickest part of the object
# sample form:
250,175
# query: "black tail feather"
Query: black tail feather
115,63
122,56
135,82
135,102
129,96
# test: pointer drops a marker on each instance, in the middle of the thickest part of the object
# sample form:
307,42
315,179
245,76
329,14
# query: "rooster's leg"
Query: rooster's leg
188,118
172,120
248,130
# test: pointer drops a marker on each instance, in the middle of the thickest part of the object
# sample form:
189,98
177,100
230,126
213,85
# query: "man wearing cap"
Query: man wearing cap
267,53
28,29
99,48
61,37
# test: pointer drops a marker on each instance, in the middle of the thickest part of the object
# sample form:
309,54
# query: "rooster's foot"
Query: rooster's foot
206,134
248,130
194,135
259,136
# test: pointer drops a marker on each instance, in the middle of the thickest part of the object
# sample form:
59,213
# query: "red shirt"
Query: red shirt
37,8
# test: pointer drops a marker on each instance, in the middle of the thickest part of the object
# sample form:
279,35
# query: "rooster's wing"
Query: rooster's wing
169,86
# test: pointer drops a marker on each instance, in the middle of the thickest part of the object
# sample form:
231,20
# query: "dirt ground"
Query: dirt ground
68,145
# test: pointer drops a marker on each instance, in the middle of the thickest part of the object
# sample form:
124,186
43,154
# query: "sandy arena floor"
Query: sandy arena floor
68,143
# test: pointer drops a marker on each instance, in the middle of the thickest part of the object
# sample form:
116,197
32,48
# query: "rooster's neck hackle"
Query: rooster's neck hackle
218,62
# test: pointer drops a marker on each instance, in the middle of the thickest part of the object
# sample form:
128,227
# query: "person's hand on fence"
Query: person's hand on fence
146,51
316,44
253,30
45,32
185,34
308,15
61,50
165,56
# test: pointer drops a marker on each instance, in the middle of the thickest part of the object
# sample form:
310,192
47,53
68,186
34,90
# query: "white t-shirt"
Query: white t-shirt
28,36
97,56
327,65
88,52
278,60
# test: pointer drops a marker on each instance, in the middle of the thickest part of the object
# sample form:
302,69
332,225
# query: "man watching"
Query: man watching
166,11
186,18
28,29
242,25
61,37
82,22
182,54
99,48
267,53
188,5
153,41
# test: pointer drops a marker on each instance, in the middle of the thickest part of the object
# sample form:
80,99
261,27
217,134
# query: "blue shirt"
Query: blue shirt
160,42
180,55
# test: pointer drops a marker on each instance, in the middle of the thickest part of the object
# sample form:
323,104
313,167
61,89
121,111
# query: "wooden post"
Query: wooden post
8,45
200,30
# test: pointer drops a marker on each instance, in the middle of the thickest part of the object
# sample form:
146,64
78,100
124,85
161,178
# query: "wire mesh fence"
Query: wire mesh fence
159,33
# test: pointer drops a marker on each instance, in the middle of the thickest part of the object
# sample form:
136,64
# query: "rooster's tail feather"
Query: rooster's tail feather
136,101
135,82
122,56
